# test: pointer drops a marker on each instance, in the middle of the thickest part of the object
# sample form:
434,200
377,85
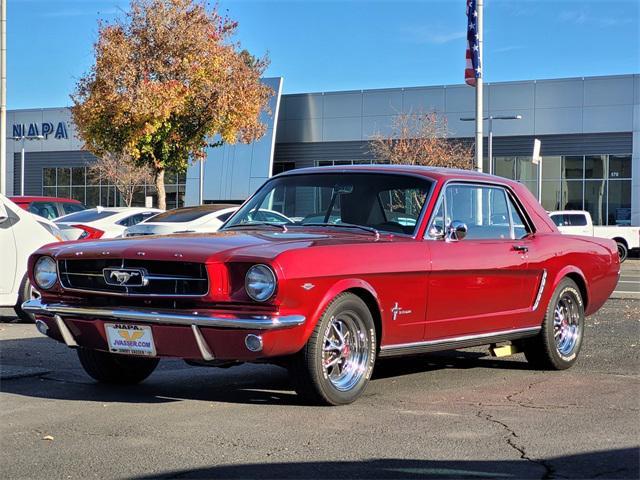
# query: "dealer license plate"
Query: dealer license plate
130,339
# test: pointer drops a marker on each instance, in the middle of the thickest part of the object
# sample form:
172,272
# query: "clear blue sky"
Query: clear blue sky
341,45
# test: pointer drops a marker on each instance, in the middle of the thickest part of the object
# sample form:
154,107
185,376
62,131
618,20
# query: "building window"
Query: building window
79,184
599,184
333,163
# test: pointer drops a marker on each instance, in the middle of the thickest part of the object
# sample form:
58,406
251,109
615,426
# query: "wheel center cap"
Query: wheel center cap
346,351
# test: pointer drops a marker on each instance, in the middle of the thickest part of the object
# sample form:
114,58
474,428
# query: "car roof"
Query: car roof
434,173
568,212
34,198
208,207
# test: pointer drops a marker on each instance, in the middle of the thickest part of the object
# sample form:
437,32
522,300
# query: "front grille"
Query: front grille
159,277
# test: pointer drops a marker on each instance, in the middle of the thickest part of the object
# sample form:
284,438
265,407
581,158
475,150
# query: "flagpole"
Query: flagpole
479,81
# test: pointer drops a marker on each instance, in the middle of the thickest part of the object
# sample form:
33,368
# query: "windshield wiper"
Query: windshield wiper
282,226
343,225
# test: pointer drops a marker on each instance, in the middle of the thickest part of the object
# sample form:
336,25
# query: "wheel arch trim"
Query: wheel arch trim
356,286
575,274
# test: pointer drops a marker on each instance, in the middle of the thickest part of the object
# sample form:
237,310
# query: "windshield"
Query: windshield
182,215
382,201
85,216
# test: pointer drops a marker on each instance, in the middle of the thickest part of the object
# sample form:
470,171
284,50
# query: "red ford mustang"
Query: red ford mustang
367,262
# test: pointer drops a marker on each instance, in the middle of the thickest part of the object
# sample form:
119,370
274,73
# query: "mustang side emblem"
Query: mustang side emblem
398,310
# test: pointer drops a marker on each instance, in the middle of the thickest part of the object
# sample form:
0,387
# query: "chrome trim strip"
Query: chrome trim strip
456,342
543,282
169,317
67,336
202,344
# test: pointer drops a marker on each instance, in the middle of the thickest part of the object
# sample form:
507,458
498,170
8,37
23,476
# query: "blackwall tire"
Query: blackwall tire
27,292
115,368
558,344
335,365
623,251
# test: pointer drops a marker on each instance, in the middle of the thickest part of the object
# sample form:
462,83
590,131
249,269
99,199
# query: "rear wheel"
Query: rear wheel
335,365
623,251
557,345
115,368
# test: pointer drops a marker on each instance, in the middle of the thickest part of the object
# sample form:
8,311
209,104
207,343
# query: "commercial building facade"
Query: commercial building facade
589,129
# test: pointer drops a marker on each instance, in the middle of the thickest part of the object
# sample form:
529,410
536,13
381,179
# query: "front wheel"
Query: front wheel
116,368
557,345
335,365
623,251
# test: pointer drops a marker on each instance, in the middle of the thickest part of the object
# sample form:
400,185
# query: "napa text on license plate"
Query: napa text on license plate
130,339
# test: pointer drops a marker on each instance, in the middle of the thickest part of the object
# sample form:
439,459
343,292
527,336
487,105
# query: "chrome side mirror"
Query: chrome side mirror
456,231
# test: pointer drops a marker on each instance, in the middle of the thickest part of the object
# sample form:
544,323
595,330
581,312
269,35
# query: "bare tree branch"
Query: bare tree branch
421,139
120,170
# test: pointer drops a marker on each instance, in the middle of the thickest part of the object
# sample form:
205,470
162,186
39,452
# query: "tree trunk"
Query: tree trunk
162,195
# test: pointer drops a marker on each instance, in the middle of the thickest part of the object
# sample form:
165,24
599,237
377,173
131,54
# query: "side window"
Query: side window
438,223
132,220
558,220
488,211
46,210
577,220
519,226
71,207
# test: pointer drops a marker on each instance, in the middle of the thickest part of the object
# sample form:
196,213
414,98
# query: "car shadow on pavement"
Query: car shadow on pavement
175,381
619,463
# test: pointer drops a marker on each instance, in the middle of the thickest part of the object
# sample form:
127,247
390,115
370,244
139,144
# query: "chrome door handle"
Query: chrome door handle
521,248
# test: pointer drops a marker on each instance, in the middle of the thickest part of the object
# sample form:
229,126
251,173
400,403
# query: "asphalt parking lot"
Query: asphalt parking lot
452,415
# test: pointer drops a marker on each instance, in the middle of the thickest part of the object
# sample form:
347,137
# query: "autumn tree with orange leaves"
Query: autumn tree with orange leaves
421,139
167,79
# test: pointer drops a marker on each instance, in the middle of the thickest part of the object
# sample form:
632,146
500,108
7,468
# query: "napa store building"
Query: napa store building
589,128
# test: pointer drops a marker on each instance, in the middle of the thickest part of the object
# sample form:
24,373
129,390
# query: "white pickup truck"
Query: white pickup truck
578,222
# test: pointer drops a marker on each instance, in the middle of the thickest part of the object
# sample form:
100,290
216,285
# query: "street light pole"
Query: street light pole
491,118
22,138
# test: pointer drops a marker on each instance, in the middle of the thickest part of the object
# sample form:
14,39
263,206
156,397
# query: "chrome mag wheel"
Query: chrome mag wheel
346,351
567,327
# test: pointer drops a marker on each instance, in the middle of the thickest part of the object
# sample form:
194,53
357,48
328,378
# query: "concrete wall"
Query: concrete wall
575,110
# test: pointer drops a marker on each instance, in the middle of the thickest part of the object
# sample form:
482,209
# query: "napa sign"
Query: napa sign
45,129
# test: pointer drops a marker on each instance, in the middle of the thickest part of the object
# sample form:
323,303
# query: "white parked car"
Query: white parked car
21,233
579,222
203,218
102,222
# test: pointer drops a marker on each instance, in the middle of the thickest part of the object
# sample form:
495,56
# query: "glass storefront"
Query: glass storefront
600,184
78,183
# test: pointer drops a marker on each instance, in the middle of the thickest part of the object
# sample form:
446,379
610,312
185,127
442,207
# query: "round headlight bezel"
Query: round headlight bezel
51,272
264,270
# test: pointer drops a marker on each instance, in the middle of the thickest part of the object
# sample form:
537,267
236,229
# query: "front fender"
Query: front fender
332,292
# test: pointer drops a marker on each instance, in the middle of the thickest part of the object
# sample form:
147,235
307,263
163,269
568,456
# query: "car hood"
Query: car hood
213,247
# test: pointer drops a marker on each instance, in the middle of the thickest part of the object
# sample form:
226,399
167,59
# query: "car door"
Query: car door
476,283
8,248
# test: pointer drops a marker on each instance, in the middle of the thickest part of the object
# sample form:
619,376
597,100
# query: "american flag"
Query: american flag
473,69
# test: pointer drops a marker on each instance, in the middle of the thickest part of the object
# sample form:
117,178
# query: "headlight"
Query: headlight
45,272
260,283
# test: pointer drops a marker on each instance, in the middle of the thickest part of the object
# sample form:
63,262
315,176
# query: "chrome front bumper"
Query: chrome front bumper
166,317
